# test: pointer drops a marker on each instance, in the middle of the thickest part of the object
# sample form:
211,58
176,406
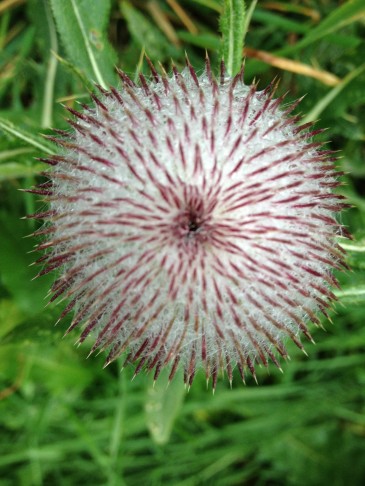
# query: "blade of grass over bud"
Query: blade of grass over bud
232,25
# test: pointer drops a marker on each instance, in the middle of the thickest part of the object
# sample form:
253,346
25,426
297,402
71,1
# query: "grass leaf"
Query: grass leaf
331,95
15,170
352,295
344,15
27,137
232,24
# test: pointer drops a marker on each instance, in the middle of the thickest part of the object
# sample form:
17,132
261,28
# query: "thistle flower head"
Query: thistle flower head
192,223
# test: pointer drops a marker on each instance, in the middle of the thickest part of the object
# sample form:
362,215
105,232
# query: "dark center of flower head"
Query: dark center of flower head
193,222
189,223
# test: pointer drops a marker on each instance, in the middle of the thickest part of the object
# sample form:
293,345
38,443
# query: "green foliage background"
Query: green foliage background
63,419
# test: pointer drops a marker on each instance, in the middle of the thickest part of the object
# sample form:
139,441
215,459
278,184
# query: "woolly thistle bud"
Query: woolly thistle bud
192,222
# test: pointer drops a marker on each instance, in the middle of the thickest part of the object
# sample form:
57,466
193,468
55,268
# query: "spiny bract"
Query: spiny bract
192,222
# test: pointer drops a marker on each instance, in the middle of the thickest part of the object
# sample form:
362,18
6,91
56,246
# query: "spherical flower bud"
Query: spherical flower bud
192,224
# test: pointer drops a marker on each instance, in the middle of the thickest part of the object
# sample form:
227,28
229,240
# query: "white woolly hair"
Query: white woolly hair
192,222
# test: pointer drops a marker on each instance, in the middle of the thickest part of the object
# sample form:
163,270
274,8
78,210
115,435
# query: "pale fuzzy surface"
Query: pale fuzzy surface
261,257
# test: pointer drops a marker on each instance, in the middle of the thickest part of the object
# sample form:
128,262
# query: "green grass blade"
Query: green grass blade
248,17
213,4
15,170
232,24
331,95
27,137
344,15
205,40
352,295
280,22
51,70
355,246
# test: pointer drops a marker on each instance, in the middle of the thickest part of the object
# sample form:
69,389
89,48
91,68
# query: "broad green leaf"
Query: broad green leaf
78,73
232,25
162,406
27,137
82,28
146,34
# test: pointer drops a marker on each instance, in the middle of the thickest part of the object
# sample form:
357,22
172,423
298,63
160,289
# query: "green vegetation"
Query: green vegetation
66,421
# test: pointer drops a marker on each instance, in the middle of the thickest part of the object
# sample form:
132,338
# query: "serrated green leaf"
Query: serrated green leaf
232,23
162,405
37,14
85,23
78,73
